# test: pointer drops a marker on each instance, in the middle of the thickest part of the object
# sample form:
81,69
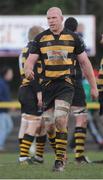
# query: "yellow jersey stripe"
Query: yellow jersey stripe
56,74
58,62
100,81
47,38
66,37
69,49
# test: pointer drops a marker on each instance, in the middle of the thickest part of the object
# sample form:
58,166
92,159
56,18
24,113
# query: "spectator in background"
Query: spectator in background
6,125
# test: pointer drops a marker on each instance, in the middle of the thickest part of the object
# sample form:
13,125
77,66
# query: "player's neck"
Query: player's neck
57,32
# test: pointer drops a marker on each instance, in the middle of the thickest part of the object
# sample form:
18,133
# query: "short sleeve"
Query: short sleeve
79,46
34,48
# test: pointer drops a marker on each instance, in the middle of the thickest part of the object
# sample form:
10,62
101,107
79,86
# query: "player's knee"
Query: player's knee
41,130
81,122
61,114
23,127
34,123
48,117
61,110
61,124
32,128
81,117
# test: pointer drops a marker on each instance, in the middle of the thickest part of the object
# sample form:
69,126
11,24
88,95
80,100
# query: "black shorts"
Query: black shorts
79,98
28,100
57,89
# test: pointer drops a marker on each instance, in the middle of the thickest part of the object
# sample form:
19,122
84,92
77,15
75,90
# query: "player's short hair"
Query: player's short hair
57,9
34,31
71,24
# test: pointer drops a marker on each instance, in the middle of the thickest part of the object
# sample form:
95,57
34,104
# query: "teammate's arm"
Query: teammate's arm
29,65
86,65
31,60
88,72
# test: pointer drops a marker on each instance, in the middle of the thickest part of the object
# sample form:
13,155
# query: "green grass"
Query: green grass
9,168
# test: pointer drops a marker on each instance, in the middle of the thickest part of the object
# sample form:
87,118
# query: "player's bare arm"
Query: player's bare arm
88,72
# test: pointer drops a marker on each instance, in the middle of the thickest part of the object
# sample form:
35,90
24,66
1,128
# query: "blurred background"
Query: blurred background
16,17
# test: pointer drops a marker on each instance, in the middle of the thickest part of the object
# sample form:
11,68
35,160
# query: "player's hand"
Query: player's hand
94,93
29,74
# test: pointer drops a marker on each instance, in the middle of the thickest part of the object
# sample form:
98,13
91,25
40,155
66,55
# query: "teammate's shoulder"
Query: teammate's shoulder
69,32
40,35
26,48
29,43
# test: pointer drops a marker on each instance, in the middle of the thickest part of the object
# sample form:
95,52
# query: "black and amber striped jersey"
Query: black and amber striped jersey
100,77
22,59
37,70
78,70
57,53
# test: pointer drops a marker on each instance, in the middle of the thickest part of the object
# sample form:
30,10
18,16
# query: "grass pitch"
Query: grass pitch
9,168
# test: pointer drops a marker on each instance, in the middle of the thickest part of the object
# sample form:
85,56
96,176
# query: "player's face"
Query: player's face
9,75
54,20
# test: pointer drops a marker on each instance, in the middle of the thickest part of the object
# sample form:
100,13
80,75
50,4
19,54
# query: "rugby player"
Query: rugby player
78,104
29,97
57,48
